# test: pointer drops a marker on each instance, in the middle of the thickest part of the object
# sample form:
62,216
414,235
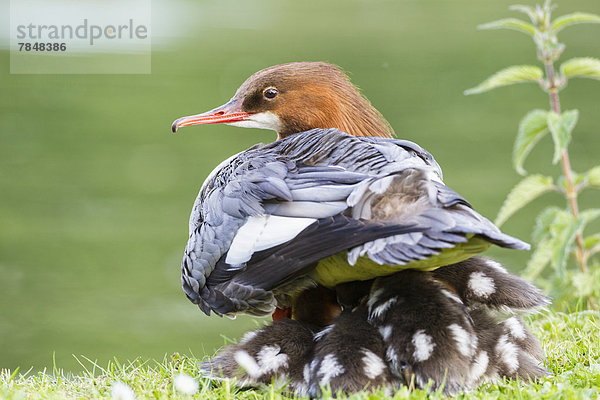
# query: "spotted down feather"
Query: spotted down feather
436,330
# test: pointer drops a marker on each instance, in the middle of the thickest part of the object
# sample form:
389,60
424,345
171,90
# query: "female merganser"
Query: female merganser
318,206
451,328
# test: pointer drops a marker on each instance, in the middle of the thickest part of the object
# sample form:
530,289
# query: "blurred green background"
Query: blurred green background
95,192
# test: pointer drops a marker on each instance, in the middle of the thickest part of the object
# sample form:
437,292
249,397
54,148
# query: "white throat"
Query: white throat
263,120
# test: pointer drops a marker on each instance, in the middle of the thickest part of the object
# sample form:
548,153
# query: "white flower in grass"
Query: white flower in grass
185,384
120,391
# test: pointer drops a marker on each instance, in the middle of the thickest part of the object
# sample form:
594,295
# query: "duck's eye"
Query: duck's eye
270,93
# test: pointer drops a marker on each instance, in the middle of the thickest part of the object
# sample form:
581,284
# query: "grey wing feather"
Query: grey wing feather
446,219
227,198
386,195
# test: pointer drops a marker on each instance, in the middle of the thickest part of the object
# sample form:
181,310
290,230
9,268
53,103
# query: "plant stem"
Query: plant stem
571,191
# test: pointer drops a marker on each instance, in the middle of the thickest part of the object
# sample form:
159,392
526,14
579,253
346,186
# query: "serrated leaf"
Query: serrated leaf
531,129
510,23
543,222
508,76
555,230
561,126
592,244
529,11
523,193
562,182
584,286
589,215
539,259
577,178
574,18
581,67
563,230
593,176
591,241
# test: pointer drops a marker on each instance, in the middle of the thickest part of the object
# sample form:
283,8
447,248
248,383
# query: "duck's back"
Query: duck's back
323,206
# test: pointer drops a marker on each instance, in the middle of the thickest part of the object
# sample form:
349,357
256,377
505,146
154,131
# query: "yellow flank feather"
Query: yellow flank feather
335,269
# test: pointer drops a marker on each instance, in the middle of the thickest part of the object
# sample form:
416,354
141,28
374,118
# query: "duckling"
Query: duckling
349,356
419,329
280,353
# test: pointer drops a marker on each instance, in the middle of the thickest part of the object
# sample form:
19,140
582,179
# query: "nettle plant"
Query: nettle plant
559,231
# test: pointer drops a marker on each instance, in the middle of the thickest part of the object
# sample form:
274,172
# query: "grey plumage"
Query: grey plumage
285,213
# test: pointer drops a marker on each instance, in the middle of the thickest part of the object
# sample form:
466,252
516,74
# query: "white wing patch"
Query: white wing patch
300,209
264,232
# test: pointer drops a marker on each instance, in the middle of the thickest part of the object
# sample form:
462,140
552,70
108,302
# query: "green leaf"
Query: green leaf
508,76
540,258
531,129
574,18
563,230
591,241
510,23
593,176
589,215
554,233
523,193
581,67
561,126
592,244
577,180
529,11
583,284
543,222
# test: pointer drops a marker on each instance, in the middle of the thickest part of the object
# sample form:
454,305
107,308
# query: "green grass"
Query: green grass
571,342
95,192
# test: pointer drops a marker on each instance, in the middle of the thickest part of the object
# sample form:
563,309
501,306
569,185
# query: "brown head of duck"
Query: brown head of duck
296,97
